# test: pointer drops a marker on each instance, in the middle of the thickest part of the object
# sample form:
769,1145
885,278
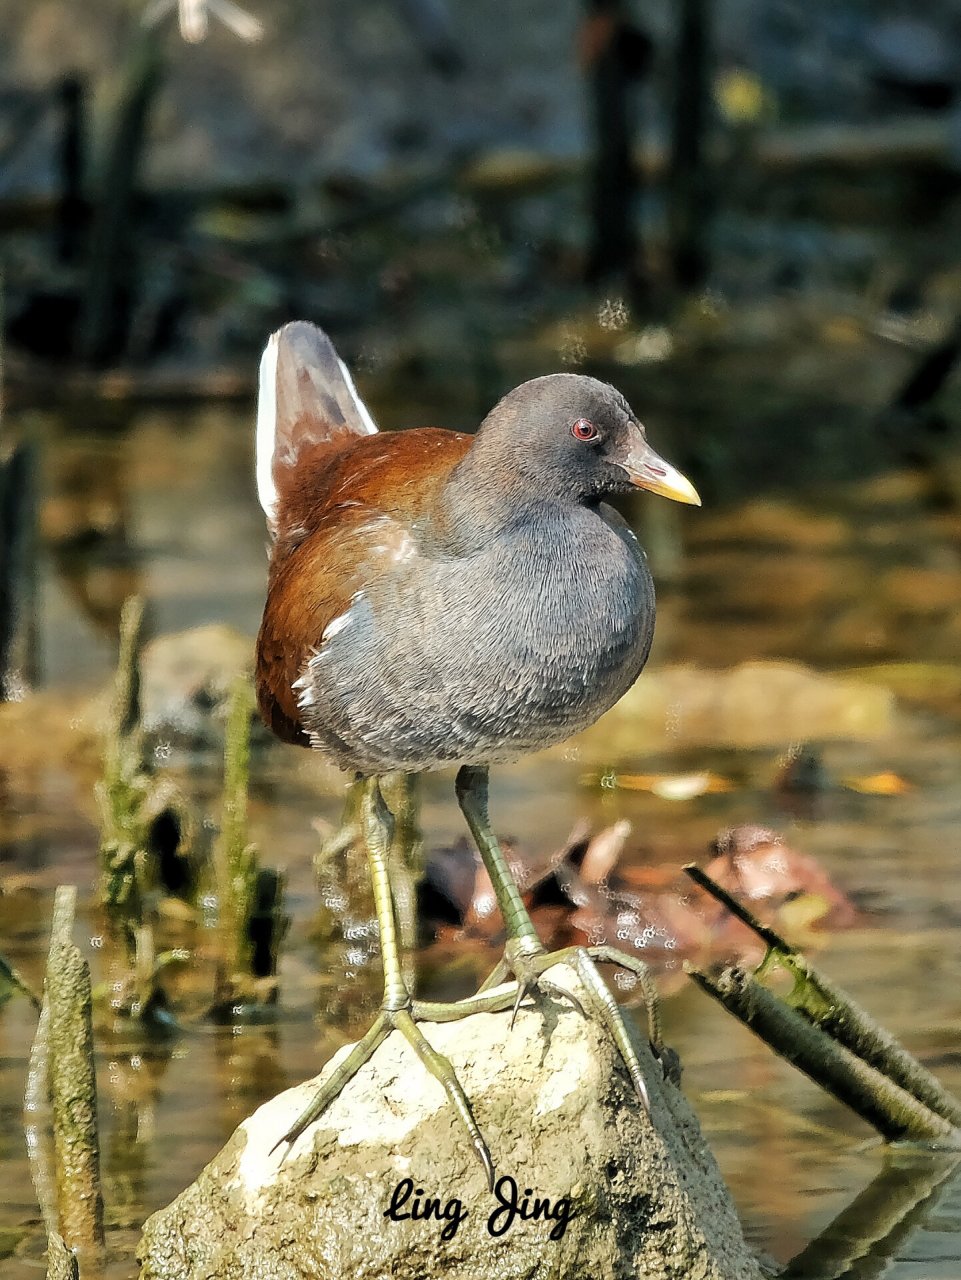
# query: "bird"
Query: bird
438,599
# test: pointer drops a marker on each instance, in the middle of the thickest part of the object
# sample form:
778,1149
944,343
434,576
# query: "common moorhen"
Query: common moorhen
437,598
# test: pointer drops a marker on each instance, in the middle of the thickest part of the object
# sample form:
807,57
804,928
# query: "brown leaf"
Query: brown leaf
675,786
603,852
757,863
885,783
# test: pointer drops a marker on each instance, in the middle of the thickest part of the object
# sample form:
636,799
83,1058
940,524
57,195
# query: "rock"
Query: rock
755,704
631,1196
933,683
186,677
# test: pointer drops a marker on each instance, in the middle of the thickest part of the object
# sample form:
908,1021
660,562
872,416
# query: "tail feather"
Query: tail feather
306,397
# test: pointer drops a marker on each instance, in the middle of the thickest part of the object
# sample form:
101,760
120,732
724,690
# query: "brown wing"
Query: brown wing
335,519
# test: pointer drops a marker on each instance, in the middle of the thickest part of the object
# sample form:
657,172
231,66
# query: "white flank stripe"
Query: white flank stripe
335,625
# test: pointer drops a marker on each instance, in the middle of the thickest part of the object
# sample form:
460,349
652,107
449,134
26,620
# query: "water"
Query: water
848,578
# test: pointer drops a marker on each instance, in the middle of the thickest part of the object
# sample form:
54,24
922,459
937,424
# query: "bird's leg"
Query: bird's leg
406,863
524,954
348,834
398,1010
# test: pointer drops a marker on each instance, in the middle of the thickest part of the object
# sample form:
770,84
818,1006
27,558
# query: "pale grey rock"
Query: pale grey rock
560,1118
186,677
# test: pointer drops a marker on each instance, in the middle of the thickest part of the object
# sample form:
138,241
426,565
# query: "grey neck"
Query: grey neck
483,496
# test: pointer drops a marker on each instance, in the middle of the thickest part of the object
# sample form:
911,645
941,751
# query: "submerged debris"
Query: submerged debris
586,895
760,864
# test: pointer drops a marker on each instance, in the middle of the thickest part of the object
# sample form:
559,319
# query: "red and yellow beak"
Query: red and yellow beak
648,470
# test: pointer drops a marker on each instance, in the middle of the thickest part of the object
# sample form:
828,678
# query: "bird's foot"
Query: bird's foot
527,965
403,1020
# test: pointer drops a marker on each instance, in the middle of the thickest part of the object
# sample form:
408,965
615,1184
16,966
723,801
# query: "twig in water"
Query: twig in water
15,979
826,1034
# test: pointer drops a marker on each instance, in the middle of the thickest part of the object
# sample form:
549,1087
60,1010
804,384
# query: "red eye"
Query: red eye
583,429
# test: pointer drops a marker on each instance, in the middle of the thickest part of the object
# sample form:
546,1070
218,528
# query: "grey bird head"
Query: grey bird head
572,437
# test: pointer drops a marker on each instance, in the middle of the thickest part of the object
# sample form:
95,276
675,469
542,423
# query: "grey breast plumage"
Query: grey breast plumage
483,657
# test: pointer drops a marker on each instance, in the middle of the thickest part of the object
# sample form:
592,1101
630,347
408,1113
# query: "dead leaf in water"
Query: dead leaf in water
675,786
757,864
603,852
885,783
798,915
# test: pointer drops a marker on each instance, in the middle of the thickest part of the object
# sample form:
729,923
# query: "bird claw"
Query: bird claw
439,1067
528,967
561,993
649,996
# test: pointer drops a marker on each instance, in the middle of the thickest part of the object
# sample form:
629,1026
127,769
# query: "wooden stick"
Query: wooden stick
121,791
690,198
60,1076
125,700
16,979
102,333
895,1113
930,373
234,857
835,1013
767,935
36,1122
18,543
73,1092
62,1263
840,1017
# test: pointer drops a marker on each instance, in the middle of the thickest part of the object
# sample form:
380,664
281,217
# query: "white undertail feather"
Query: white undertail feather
267,427
322,376
362,409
